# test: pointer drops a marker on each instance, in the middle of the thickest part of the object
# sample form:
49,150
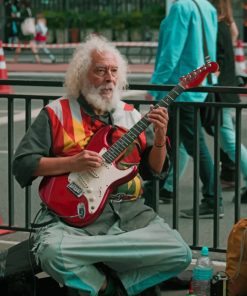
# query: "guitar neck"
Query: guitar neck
118,147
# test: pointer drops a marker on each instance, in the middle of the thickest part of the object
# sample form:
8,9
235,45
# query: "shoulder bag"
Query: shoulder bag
207,113
28,25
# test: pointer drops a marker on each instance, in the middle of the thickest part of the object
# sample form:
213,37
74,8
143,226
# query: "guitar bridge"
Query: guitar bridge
75,189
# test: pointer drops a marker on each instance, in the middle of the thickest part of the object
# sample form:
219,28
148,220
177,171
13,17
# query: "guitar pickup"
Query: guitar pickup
93,173
75,189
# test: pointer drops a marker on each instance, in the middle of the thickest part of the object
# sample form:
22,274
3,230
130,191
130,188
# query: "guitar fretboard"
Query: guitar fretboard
118,147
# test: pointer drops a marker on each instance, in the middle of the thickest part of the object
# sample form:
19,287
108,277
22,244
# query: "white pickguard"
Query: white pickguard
93,184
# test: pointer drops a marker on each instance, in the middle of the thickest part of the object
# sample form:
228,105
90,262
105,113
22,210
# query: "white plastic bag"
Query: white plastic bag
28,26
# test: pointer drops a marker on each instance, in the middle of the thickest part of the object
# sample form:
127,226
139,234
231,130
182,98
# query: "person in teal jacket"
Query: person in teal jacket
180,50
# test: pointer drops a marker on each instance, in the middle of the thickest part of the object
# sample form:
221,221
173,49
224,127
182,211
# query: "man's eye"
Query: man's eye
114,71
100,71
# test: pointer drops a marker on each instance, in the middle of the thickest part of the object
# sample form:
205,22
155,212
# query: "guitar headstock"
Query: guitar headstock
197,76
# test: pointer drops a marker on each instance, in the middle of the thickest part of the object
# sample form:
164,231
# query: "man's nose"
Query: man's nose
108,75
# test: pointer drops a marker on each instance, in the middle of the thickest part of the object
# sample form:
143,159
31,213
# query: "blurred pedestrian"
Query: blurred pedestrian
180,50
27,31
41,35
227,35
11,26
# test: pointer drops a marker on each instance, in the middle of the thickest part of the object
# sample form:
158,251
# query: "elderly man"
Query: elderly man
96,234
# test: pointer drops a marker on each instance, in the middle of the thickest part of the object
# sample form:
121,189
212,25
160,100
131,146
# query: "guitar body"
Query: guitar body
79,198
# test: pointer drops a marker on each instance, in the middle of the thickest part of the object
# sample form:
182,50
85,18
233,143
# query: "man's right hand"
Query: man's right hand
86,160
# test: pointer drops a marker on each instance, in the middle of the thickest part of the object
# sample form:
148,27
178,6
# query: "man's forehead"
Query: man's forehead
103,57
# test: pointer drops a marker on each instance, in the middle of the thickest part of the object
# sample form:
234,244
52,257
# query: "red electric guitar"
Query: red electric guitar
79,198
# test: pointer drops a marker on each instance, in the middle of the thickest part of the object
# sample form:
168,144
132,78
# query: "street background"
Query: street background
63,18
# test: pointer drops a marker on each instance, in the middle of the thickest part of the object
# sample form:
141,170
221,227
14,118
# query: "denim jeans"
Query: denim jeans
206,167
228,141
183,161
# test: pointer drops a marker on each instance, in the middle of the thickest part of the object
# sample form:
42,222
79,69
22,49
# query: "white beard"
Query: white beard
101,102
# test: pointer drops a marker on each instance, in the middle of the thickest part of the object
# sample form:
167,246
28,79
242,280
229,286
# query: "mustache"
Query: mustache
95,96
108,86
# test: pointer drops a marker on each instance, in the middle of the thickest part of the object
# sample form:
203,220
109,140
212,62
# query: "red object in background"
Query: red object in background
240,58
4,231
3,72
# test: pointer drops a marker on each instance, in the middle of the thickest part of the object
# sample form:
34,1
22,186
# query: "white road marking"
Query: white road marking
20,116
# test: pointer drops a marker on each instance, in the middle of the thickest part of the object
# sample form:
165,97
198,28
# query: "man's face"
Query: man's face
103,73
100,88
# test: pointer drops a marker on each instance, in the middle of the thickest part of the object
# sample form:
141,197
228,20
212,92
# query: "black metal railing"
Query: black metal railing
18,215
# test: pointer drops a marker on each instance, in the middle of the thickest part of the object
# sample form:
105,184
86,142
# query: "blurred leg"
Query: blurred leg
183,161
228,141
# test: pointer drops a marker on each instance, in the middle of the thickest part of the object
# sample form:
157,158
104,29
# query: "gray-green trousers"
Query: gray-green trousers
141,258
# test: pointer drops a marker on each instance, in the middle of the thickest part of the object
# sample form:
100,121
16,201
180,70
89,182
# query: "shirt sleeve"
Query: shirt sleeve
173,28
35,144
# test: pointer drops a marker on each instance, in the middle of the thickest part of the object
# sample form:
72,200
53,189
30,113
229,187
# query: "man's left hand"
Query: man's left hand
159,117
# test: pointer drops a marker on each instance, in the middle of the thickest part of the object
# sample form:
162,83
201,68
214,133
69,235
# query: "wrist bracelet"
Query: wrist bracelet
159,145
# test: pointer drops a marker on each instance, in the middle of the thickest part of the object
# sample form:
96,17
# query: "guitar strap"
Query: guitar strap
205,46
111,120
106,120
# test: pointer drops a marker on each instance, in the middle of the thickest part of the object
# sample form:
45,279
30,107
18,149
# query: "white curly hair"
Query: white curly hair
77,70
